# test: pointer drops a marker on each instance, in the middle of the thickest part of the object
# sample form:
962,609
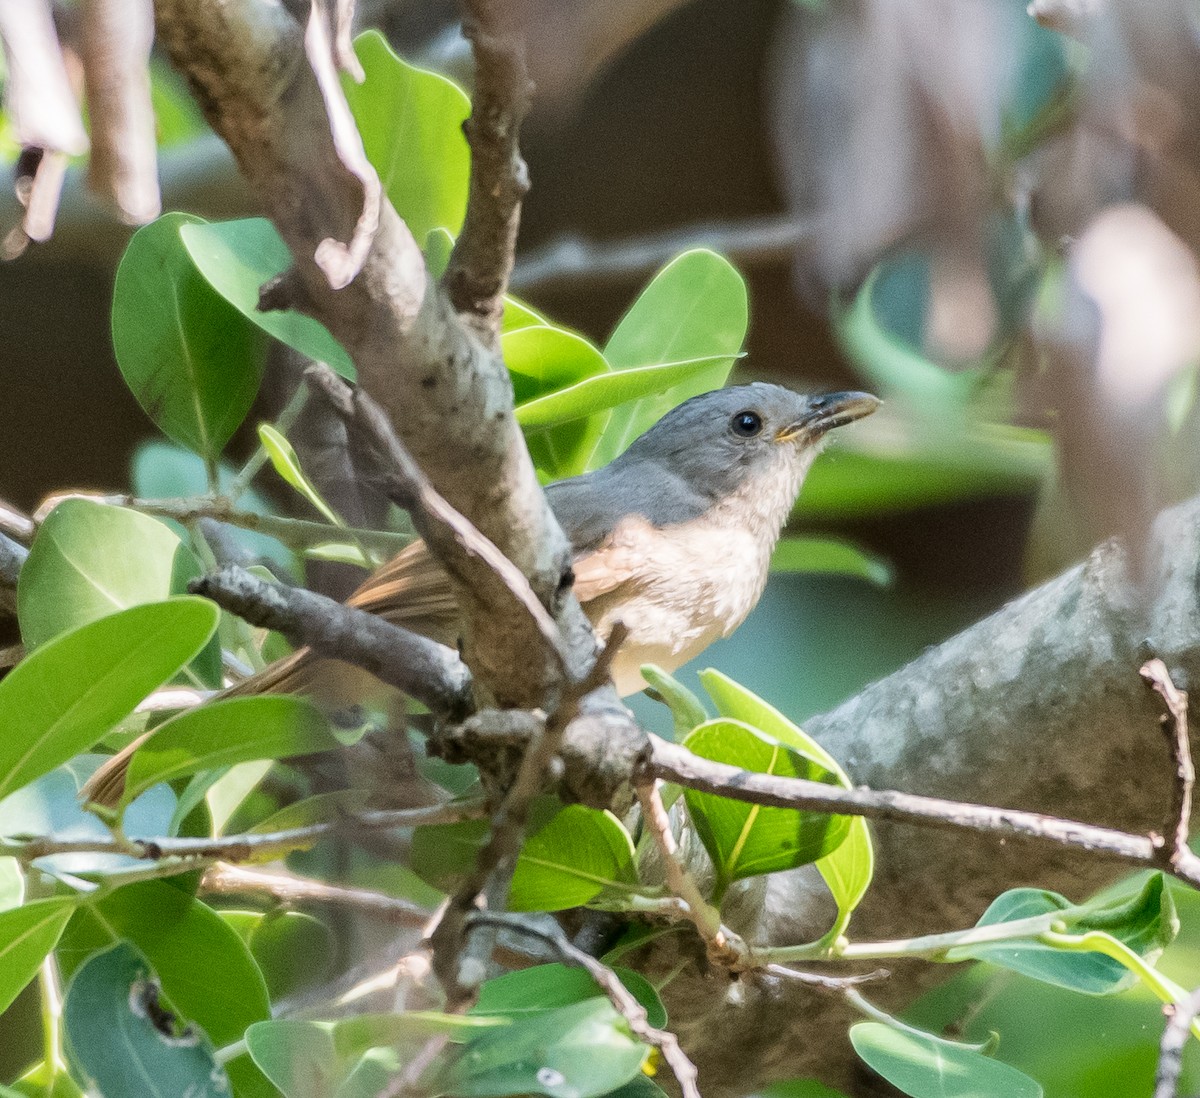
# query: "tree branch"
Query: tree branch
482,260
423,669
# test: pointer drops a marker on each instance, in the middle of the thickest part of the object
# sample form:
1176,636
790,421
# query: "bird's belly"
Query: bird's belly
678,608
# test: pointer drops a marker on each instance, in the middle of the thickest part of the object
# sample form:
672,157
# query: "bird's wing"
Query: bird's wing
616,560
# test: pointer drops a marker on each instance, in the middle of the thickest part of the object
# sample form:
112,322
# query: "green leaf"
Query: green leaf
602,391
544,987
571,860
827,556
287,464
443,853
797,1088
27,934
925,1066
438,246
191,360
223,733
63,698
299,1057
411,125
236,258
542,360
46,1080
208,975
293,950
693,308
1145,922
12,884
746,840
685,707
579,1051
848,870
90,560
121,1041
519,315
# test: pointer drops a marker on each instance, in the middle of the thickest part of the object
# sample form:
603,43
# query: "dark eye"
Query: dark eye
746,424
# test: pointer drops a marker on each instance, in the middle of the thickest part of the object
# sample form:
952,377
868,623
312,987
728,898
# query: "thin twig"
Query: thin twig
571,262
226,879
432,673
1174,847
241,848
1170,1052
477,275
15,523
610,983
723,947
676,764
826,983
297,534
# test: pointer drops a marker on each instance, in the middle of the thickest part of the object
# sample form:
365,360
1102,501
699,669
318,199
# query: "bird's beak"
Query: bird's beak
824,413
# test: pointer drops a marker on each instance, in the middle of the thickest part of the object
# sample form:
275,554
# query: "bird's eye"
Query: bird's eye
746,424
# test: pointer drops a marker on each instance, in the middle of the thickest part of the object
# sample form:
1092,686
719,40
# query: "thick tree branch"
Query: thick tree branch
423,669
477,275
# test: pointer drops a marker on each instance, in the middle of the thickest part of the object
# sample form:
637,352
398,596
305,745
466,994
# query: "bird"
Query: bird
673,538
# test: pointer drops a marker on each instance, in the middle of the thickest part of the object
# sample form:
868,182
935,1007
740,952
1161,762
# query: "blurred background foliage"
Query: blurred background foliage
986,215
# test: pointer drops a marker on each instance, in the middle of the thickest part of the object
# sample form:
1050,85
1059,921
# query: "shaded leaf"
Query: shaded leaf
829,557
193,362
121,1040
543,987
922,1065
685,707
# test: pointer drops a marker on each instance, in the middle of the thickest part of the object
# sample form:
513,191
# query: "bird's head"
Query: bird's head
748,437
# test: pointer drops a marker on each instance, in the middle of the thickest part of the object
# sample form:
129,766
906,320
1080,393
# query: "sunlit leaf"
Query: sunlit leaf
27,934
63,698
829,557
286,463
236,258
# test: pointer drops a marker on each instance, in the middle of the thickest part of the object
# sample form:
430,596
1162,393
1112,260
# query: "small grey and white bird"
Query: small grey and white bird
673,537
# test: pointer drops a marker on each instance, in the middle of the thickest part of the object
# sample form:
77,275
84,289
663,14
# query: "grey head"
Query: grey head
750,443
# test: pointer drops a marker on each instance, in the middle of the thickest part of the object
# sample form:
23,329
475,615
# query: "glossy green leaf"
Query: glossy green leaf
579,1051
925,1066
90,560
572,859
236,258
63,698
122,1042
543,360
693,308
544,987
826,556
602,391
1146,922
848,870
193,362
797,1088
293,950
746,840
27,934
411,125
355,1034
224,733
685,707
